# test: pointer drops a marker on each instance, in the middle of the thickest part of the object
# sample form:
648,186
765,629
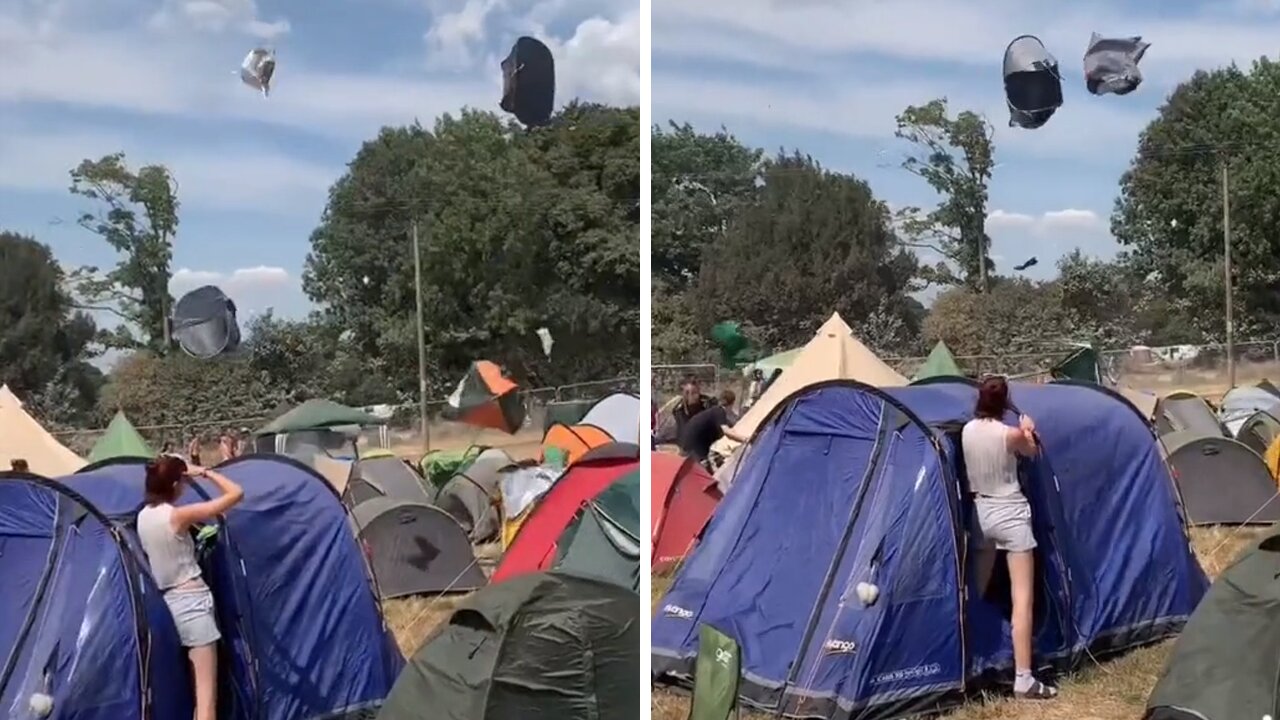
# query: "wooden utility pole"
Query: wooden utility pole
422,342
1226,241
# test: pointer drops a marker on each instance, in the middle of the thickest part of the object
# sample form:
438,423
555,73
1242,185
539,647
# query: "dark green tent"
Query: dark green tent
940,363
1081,364
603,539
316,415
1225,664
544,646
121,440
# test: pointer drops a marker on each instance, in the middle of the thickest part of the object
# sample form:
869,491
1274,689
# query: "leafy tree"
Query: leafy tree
45,345
181,390
138,217
1015,317
814,242
955,156
1169,210
1100,300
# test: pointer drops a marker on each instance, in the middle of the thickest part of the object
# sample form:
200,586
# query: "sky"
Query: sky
158,80
829,76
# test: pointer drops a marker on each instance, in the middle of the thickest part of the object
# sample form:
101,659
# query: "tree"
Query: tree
1169,210
138,217
955,157
180,390
45,345
814,242
1100,300
1015,317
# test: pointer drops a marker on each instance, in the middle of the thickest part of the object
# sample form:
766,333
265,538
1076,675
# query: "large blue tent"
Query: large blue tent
300,620
848,485
80,621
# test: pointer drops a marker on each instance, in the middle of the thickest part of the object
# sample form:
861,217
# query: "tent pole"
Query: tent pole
422,346
1226,240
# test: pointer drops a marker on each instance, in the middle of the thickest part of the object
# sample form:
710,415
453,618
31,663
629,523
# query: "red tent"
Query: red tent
684,498
534,547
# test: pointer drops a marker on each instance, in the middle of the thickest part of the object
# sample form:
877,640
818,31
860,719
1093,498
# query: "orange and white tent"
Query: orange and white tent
21,437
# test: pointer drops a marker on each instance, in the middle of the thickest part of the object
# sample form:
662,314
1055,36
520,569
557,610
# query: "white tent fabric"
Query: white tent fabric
21,437
522,486
1241,402
619,415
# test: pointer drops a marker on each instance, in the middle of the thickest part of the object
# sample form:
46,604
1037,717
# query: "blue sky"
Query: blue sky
828,77
157,80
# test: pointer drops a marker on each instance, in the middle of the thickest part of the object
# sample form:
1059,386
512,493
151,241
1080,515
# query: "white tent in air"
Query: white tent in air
21,437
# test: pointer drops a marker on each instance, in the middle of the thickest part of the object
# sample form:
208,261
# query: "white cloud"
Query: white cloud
1018,236
217,16
1069,220
254,289
600,62
454,35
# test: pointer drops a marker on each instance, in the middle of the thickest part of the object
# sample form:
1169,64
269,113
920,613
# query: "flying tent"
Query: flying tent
303,633
529,82
1111,64
1222,481
848,484
318,415
21,437
1032,85
486,398
204,323
547,646
79,606
121,440
603,539
940,363
1081,364
683,498
415,548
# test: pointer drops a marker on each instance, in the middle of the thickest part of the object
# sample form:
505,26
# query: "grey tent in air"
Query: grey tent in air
1111,64
1032,85
204,323
415,548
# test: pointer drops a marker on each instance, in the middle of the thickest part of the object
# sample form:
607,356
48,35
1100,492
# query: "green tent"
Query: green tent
1081,364
543,646
121,440
439,466
1225,664
940,363
603,539
316,415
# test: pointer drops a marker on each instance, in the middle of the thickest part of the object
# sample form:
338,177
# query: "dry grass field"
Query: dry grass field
1114,690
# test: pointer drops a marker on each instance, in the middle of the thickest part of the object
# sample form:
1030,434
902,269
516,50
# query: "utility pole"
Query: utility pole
1226,241
422,343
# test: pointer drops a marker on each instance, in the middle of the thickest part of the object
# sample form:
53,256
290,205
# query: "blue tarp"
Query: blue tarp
849,485
79,621
295,604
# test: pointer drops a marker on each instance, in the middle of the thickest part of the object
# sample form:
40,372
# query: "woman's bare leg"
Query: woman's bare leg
204,662
1021,583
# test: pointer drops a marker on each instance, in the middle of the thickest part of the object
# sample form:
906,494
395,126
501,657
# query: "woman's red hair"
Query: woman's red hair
163,476
993,399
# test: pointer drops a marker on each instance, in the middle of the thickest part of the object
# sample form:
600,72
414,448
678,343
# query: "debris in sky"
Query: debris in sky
1111,64
529,82
547,341
257,69
1032,85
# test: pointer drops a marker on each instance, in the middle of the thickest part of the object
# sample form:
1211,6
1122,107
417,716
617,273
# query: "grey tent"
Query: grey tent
1032,85
1224,664
1259,431
542,646
1222,481
617,414
204,323
471,495
415,548
385,475
1111,64
1241,403
1185,412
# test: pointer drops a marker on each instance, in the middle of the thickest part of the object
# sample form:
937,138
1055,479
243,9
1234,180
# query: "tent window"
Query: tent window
919,571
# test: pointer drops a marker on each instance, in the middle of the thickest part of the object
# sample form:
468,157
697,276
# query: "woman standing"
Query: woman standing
164,531
991,451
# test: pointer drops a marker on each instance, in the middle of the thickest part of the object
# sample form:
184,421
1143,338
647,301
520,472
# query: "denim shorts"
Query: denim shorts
193,613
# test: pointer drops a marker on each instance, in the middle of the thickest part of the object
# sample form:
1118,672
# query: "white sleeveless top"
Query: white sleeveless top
991,466
172,554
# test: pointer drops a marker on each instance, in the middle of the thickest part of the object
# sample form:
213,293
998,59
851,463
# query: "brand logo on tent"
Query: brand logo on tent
676,611
840,647
915,673
724,657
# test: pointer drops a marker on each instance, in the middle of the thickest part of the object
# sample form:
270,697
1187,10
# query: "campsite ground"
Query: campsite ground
1113,690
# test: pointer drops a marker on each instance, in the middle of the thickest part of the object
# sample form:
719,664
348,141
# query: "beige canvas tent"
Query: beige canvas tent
833,354
22,437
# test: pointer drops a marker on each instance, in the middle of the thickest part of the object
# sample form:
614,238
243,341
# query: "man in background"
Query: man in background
692,402
704,429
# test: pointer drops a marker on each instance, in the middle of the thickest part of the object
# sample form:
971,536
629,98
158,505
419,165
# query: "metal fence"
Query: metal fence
666,379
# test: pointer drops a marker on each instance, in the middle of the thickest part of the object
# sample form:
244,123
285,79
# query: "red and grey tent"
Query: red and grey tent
486,398
684,498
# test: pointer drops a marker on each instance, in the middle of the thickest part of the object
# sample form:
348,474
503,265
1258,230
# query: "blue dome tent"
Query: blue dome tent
303,633
1114,563
80,623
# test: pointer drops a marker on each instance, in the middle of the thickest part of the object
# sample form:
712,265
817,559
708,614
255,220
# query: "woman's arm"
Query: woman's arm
1022,439
188,515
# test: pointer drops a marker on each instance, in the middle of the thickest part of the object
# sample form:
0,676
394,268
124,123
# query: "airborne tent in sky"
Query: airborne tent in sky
486,398
1111,64
1032,85
529,82
204,323
257,69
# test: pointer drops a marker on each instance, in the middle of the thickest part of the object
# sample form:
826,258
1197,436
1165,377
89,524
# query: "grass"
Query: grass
412,619
1113,690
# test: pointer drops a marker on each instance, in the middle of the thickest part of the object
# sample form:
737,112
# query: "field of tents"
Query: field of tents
352,581
830,561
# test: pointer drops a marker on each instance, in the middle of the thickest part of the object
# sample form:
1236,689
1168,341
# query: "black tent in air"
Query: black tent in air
529,82
1032,85
204,323
415,548
544,646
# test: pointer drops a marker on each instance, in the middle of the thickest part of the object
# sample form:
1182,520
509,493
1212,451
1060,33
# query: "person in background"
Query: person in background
229,446
692,402
754,390
704,429
193,450
19,465
991,451
165,534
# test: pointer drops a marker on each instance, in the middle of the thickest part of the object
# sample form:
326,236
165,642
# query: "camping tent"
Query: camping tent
317,414
415,548
1184,411
1240,403
1222,481
603,539
521,487
21,437
471,495
1223,666
535,544
1258,431
683,497
1081,365
619,415
382,474
546,646
576,440
940,363
303,633
850,484
98,626
486,398
832,354
121,440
